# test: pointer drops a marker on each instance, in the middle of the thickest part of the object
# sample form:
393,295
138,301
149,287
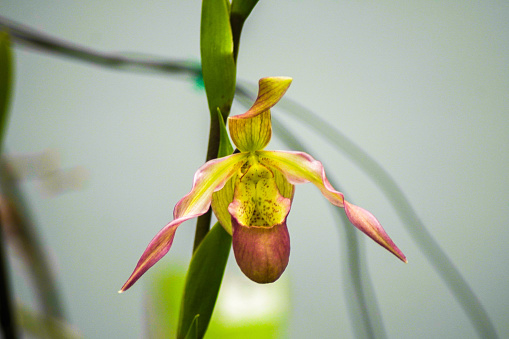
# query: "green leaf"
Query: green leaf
193,329
5,81
225,146
243,8
240,10
218,65
204,280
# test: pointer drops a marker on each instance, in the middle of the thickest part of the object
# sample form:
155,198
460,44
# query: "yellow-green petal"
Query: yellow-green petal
220,201
300,167
211,177
261,242
257,201
251,134
270,91
252,130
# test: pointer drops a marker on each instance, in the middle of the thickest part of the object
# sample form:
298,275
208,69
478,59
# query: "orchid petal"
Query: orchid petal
252,130
299,167
261,243
220,201
270,91
210,177
257,201
251,134
222,198
262,253
285,188
367,223
156,249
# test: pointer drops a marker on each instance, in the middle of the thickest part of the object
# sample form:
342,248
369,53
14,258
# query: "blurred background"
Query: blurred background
421,86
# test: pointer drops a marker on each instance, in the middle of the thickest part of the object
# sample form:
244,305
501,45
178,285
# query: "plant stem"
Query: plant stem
236,21
37,261
6,314
359,290
28,36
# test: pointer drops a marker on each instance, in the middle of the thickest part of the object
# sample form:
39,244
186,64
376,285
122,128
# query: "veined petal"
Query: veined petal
251,134
270,91
367,223
210,177
252,130
220,201
299,167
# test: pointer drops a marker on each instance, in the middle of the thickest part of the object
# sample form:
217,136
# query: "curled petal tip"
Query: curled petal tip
270,91
281,82
252,130
367,223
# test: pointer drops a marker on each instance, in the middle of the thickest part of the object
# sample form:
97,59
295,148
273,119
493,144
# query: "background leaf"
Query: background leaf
192,333
5,81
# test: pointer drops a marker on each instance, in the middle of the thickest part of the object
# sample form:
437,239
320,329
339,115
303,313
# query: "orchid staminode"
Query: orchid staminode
251,193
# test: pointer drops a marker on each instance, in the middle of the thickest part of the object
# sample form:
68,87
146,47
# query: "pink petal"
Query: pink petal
156,249
299,167
368,224
262,253
209,178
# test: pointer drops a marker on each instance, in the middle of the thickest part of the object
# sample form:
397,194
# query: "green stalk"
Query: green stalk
219,41
7,319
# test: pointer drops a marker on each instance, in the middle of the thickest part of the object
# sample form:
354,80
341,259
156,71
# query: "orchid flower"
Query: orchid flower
251,193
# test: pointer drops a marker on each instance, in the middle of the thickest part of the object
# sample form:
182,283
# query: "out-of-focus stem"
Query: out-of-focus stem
444,267
7,318
364,310
30,37
37,261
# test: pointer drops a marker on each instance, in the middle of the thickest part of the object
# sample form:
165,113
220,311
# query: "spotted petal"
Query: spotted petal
222,198
209,178
300,167
261,243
